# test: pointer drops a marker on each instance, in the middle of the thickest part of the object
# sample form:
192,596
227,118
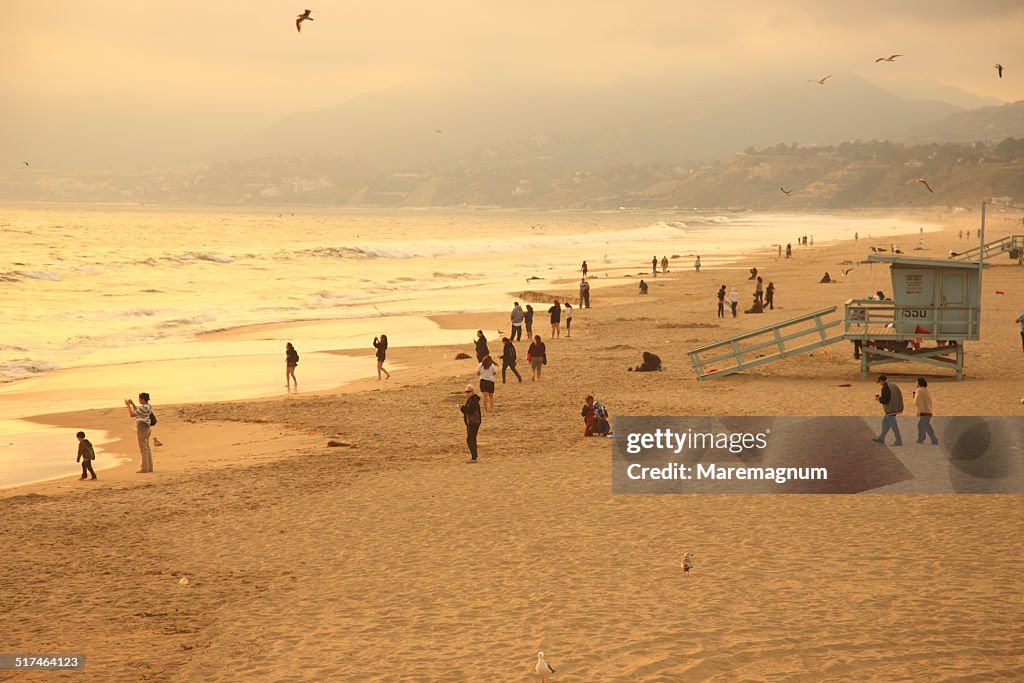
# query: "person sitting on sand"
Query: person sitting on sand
481,346
643,287
587,413
601,425
555,312
382,353
86,453
472,417
537,357
651,363
291,359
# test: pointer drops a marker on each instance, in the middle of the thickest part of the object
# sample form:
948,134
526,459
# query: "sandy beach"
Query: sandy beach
388,557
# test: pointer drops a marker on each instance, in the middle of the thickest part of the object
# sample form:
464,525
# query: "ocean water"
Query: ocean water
94,296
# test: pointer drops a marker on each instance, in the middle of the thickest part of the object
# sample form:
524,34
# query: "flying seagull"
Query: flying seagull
301,18
543,669
890,58
999,68
820,82
925,183
785,191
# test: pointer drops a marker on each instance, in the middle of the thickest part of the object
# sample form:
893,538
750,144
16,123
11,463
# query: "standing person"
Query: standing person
856,236
144,420
537,356
769,296
721,301
759,291
487,370
86,453
1020,319
923,403
481,346
382,353
664,264
555,312
891,399
584,294
528,321
779,255
812,240
568,319
517,317
472,416
508,359
654,266
789,250
734,299
584,269
696,264
291,359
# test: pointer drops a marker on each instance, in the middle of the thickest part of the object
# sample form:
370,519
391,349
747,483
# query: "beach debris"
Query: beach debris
844,385
183,581
820,81
339,444
785,191
1000,75
890,58
543,669
998,67
532,277
687,563
925,183
461,356
301,18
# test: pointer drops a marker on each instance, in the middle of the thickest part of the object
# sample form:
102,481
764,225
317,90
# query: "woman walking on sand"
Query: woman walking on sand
472,416
769,296
528,321
537,355
481,346
556,319
291,359
923,403
382,353
488,371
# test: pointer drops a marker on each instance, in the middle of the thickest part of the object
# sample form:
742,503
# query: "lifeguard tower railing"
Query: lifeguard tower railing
1014,244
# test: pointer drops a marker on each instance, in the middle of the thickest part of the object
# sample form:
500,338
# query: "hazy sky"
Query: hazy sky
204,69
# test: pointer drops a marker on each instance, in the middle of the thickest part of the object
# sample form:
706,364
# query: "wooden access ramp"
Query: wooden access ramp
1013,244
768,344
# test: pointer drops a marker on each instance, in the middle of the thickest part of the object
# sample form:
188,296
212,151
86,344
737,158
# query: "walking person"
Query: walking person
537,356
144,421
487,370
769,296
86,453
696,264
789,249
734,300
721,301
891,399
1020,319
654,266
508,359
585,293
291,359
568,319
923,403
382,353
528,321
481,346
517,316
664,264
555,313
584,269
472,416
759,291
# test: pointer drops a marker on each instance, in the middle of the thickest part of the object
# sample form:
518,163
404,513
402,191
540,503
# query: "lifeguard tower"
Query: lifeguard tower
935,308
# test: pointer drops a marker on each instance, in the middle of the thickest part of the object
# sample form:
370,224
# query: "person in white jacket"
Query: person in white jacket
734,300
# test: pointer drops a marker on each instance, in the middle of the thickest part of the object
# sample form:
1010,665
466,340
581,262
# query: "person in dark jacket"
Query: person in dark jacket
382,353
555,312
537,355
769,296
721,301
472,416
481,346
86,453
508,359
291,359
528,321
891,399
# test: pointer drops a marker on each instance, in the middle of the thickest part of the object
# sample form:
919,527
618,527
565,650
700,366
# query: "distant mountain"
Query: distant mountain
638,122
989,124
921,89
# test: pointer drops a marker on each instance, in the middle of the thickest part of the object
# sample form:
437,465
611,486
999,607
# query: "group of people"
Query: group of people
891,399
763,297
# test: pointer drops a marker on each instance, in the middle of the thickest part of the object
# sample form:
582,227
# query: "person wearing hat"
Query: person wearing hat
472,416
891,399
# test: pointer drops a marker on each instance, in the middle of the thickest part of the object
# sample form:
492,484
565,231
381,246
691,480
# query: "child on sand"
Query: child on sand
86,454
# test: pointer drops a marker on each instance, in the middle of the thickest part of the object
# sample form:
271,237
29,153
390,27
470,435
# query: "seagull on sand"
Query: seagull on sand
543,669
25,162
785,191
301,18
999,68
821,81
687,563
890,58
925,183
